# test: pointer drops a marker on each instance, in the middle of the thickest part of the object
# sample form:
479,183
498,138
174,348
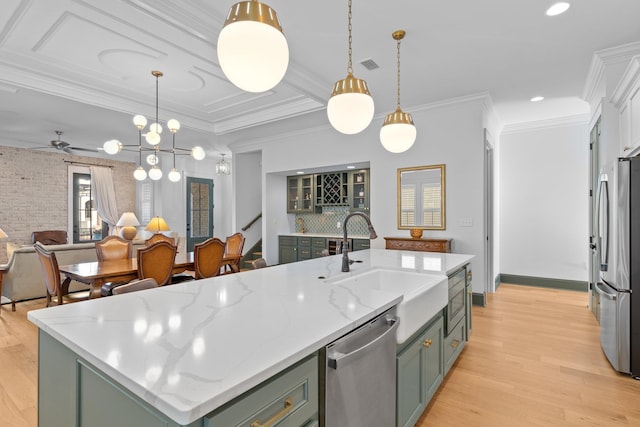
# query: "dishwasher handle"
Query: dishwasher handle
344,358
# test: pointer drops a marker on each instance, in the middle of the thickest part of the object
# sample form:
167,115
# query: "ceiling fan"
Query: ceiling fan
58,144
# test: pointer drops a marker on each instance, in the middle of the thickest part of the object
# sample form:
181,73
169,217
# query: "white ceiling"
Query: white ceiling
84,66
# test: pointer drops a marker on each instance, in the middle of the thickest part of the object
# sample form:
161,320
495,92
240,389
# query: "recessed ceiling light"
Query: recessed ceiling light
351,167
537,98
558,8
300,172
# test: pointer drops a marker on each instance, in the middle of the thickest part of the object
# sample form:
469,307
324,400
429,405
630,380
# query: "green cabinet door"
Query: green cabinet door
360,244
287,249
300,194
420,370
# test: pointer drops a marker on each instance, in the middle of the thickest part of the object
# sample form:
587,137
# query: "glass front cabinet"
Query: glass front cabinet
359,181
300,194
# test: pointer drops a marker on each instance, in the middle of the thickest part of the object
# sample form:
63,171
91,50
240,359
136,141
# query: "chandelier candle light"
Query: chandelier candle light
153,138
223,167
398,132
350,108
252,49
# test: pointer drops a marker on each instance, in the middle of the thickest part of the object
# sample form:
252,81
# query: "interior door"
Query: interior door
199,211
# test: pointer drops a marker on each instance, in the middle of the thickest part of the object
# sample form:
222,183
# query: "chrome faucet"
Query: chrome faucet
345,243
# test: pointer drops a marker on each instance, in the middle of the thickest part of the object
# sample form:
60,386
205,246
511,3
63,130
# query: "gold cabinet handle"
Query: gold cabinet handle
455,343
288,406
427,343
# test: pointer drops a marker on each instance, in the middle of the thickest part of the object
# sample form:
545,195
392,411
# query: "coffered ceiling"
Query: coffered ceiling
84,66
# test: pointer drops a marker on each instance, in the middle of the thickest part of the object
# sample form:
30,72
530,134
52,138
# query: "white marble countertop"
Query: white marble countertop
188,348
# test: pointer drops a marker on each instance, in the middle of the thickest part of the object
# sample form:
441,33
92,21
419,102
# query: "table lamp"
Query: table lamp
157,224
128,222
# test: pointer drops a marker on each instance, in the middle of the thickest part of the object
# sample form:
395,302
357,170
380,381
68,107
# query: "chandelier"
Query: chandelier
153,138
223,167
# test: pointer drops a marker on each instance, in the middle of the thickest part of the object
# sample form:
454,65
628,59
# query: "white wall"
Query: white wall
247,189
451,134
544,202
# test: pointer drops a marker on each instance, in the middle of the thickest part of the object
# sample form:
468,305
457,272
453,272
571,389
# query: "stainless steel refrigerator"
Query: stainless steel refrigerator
619,251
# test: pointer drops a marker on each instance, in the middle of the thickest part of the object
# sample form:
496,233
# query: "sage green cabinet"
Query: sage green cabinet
290,399
359,182
71,392
318,245
453,344
420,371
300,194
360,244
287,249
299,248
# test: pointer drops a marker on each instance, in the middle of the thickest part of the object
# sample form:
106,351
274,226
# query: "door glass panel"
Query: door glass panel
199,211
87,224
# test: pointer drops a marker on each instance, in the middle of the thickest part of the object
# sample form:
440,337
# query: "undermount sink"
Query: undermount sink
424,295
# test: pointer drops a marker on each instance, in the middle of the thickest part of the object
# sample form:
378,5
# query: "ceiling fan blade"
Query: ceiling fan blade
67,150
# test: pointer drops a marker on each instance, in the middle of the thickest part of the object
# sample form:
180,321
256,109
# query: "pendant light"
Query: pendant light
350,108
252,49
398,132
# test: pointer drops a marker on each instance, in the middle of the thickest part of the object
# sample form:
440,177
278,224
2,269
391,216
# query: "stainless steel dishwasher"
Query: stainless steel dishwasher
360,376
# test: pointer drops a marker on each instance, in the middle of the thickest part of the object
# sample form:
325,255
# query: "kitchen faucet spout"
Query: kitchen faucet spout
345,244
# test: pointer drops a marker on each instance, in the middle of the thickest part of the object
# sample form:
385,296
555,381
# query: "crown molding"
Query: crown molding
600,60
578,119
283,110
482,96
627,84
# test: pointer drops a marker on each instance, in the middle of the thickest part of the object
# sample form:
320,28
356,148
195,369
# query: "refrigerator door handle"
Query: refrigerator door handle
603,210
600,288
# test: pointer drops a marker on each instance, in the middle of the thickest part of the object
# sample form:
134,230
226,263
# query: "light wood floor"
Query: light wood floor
534,359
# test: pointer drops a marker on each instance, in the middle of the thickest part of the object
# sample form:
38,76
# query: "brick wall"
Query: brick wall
33,191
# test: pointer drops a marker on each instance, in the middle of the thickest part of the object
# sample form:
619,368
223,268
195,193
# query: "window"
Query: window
408,203
87,226
431,199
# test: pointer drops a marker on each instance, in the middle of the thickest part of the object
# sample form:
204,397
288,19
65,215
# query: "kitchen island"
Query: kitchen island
187,349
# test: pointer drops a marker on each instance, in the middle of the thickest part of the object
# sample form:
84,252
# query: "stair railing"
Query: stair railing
253,221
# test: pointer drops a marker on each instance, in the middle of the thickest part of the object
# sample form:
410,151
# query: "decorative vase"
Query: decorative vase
416,233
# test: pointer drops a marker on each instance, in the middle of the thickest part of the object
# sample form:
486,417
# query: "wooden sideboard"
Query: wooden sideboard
418,244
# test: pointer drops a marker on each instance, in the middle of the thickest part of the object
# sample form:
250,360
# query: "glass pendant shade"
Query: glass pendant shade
252,50
197,153
155,173
112,147
173,125
140,174
398,132
174,175
152,159
153,138
350,108
139,121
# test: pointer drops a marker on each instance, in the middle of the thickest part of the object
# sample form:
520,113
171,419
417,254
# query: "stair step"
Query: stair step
257,254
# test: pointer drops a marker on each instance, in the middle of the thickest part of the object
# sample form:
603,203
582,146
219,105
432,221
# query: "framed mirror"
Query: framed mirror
421,197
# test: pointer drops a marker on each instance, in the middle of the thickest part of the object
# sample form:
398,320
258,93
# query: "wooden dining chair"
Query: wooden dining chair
159,237
113,248
207,258
57,291
135,285
156,261
233,248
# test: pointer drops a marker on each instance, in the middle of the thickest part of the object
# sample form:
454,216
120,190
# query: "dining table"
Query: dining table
97,273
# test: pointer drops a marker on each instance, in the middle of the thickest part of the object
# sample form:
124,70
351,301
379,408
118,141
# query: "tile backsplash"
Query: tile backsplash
327,222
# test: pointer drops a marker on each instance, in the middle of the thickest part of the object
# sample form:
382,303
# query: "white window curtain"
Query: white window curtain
105,195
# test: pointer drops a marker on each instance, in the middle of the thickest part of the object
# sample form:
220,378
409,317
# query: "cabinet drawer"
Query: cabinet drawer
304,253
453,344
319,242
290,399
304,241
288,240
